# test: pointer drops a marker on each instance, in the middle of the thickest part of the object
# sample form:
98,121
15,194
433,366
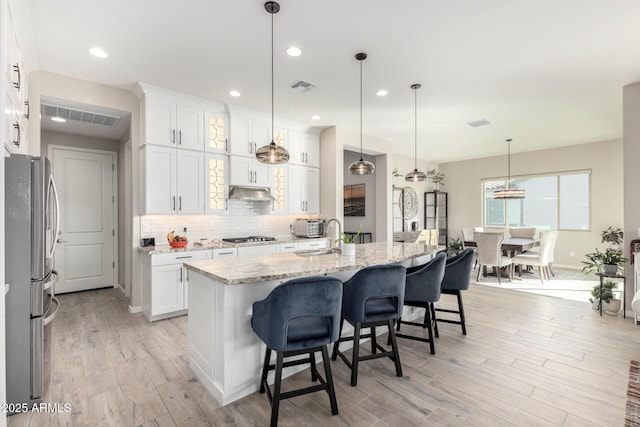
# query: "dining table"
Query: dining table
511,246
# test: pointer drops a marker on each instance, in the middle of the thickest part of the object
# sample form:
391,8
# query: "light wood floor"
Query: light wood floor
527,360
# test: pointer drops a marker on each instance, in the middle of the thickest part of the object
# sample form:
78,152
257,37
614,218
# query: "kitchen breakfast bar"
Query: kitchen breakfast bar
224,353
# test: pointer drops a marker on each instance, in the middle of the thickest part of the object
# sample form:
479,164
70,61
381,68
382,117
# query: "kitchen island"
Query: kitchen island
224,353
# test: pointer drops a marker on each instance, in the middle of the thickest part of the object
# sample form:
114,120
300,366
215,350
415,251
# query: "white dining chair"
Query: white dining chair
522,232
540,259
489,249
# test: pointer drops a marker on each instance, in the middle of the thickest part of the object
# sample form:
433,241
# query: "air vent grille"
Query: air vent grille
478,123
302,86
79,115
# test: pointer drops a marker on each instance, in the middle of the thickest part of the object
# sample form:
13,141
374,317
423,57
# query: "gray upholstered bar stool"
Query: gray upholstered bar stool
456,279
372,297
423,289
300,316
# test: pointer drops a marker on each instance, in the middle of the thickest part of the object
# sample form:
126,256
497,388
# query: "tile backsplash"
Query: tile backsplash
243,219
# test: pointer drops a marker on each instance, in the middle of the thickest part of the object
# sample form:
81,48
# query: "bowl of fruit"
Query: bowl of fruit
177,241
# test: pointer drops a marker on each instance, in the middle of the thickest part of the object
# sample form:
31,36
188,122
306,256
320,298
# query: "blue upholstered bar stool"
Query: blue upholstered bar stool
300,316
457,274
423,289
372,297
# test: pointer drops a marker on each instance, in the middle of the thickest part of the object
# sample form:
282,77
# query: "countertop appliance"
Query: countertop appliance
308,227
249,239
32,220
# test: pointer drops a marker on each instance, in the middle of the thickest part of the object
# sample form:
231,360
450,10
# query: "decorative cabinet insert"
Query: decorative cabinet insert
217,177
216,129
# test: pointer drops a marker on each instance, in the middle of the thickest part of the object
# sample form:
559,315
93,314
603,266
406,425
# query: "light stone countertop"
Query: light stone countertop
231,271
219,244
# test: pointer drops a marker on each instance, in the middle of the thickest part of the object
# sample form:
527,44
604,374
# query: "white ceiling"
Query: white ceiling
546,73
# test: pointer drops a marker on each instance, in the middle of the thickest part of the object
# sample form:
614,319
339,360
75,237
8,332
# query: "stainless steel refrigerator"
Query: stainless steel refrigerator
31,227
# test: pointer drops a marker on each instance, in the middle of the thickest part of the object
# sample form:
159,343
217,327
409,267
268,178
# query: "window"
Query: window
558,201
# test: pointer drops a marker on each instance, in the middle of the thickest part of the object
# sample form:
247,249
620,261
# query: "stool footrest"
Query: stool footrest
446,310
456,322
413,337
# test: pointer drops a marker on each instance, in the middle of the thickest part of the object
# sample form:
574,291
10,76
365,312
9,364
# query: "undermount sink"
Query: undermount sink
316,252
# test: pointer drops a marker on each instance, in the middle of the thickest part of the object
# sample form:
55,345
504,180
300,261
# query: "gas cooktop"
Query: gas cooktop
249,239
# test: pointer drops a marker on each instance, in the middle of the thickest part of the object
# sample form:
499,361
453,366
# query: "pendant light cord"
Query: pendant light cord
508,163
361,110
273,131
415,128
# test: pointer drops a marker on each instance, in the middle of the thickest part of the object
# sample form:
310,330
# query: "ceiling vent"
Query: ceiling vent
79,115
478,123
302,86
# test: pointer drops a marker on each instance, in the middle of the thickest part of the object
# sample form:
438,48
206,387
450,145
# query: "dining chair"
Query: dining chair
299,317
457,272
540,259
489,248
523,232
467,235
552,250
423,288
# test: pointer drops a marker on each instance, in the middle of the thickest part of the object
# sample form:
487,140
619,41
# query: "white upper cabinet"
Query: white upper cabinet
304,189
247,136
304,149
173,181
173,125
249,172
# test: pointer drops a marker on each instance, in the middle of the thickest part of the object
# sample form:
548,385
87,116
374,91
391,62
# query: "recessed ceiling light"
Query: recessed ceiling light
294,51
315,117
234,93
58,119
382,92
98,53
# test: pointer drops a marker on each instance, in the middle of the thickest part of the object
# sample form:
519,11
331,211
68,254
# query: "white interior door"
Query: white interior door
85,256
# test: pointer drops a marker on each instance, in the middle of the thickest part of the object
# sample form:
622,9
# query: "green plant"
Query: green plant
348,238
607,291
595,260
455,247
611,235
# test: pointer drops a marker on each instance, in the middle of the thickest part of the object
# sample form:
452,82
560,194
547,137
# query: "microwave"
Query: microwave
308,227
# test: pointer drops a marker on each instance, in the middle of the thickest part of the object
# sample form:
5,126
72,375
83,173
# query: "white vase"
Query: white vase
612,307
349,249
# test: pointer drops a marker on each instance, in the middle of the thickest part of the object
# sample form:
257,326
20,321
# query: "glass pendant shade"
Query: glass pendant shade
415,175
272,154
509,193
361,167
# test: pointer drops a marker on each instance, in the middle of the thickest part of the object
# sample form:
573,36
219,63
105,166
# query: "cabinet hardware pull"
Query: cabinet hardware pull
173,136
184,257
301,157
174,203
306,157
250,147
180,137
16,68
250,176
226,144
26,115
180,203
16,126
181,274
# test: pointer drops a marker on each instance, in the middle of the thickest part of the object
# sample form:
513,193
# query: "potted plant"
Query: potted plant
348,247
606,262
611,304
613,236
455,247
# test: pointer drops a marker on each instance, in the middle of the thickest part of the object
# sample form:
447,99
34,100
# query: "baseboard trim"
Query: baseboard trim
136,309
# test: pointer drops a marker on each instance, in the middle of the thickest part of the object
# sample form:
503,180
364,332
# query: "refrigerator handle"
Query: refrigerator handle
52,185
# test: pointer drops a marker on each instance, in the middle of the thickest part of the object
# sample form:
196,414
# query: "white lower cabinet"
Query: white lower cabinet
258,250
288,247
313,244
226,252
165,283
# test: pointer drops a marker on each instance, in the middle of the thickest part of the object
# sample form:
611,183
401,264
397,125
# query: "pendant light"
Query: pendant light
361,167
415,175
509,193
272,153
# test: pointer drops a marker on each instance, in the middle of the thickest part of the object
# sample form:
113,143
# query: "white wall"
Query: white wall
463,182
43,83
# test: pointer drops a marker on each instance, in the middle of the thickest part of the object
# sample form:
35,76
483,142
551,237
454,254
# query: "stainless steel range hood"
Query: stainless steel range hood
250,194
